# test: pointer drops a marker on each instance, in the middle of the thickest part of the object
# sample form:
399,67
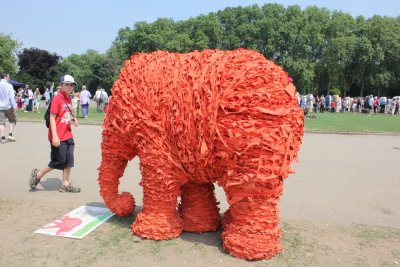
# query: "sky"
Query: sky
74,26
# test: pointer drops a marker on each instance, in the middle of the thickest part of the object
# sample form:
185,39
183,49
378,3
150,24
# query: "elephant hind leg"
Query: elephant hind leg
199,208
251,225
159,219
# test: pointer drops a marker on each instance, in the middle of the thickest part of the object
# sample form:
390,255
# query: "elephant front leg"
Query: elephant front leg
199,209
159,218
251,227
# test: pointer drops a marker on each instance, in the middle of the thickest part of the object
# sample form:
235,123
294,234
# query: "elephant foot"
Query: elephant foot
251,225
199,208
157,226
245,244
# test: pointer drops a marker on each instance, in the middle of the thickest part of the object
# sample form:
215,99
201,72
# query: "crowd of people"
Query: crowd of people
334,103
30,101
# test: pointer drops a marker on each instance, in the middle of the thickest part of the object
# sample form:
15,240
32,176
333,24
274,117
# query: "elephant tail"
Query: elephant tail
112,168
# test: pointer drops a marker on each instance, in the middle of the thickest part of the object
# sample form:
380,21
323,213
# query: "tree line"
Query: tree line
324,51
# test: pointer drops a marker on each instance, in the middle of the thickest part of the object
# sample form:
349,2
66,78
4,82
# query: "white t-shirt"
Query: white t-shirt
97,95
30,93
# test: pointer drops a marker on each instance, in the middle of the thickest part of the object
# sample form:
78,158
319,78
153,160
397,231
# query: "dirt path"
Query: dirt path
340,208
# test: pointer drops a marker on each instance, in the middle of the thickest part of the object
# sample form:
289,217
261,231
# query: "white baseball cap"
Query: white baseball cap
67,79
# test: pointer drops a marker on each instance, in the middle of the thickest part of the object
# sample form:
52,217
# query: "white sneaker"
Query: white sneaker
3,141
12,139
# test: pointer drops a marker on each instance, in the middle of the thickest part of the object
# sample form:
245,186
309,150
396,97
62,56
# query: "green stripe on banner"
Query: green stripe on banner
92,224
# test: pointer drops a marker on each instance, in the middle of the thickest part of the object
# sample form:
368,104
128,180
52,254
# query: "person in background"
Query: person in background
328,101
382,104
47,97
19,99
103,99
322,104
303,102
25,97
97,98
31,99
376,104
8,108
354,105
333,107
371,103
75,103
315,104
106,109
362,104
51,90
57,91
85,97
36,101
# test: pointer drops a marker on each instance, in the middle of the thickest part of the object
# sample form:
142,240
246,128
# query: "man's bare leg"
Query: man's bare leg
66,173
12,126
43,172
1,130
66,184
10,134
36,175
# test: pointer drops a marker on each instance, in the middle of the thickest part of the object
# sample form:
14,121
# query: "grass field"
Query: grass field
326,122
354,122
93,117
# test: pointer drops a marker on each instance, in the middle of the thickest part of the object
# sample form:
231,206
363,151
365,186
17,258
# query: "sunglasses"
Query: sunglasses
69,84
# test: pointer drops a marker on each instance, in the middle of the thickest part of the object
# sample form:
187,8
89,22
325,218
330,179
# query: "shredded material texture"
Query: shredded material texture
225,117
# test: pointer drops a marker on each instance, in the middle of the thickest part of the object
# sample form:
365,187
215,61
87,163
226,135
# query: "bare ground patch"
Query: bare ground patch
305,243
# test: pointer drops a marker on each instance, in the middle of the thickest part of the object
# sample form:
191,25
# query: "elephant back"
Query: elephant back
202,109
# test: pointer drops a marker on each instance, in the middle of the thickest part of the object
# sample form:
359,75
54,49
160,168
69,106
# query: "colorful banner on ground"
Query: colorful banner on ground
78,223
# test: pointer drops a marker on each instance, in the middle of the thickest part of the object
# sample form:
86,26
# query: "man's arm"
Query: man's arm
12,98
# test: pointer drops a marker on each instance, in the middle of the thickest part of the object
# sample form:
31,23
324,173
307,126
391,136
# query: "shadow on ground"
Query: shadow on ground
50,184
210,239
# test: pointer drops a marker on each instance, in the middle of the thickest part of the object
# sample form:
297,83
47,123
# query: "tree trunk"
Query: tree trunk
362,87
327,89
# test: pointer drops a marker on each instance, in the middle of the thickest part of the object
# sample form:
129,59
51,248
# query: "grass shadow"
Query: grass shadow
122,226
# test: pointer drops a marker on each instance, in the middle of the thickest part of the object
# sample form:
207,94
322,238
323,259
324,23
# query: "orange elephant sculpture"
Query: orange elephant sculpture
195,119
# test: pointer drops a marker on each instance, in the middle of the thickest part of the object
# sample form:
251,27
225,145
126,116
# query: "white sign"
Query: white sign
78,223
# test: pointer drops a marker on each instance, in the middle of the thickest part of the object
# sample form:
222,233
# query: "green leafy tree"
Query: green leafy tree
92,69
8,48
320,49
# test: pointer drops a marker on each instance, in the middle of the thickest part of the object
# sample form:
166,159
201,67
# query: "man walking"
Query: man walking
60,136
25,96
97,98
103,99
8,108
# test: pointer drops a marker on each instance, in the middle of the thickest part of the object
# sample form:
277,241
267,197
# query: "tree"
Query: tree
92,69
319,48
8,48
36,66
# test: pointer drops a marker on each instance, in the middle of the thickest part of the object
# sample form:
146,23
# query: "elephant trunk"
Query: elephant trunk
112,168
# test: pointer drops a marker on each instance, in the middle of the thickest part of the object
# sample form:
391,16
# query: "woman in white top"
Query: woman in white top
75,103
36,100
